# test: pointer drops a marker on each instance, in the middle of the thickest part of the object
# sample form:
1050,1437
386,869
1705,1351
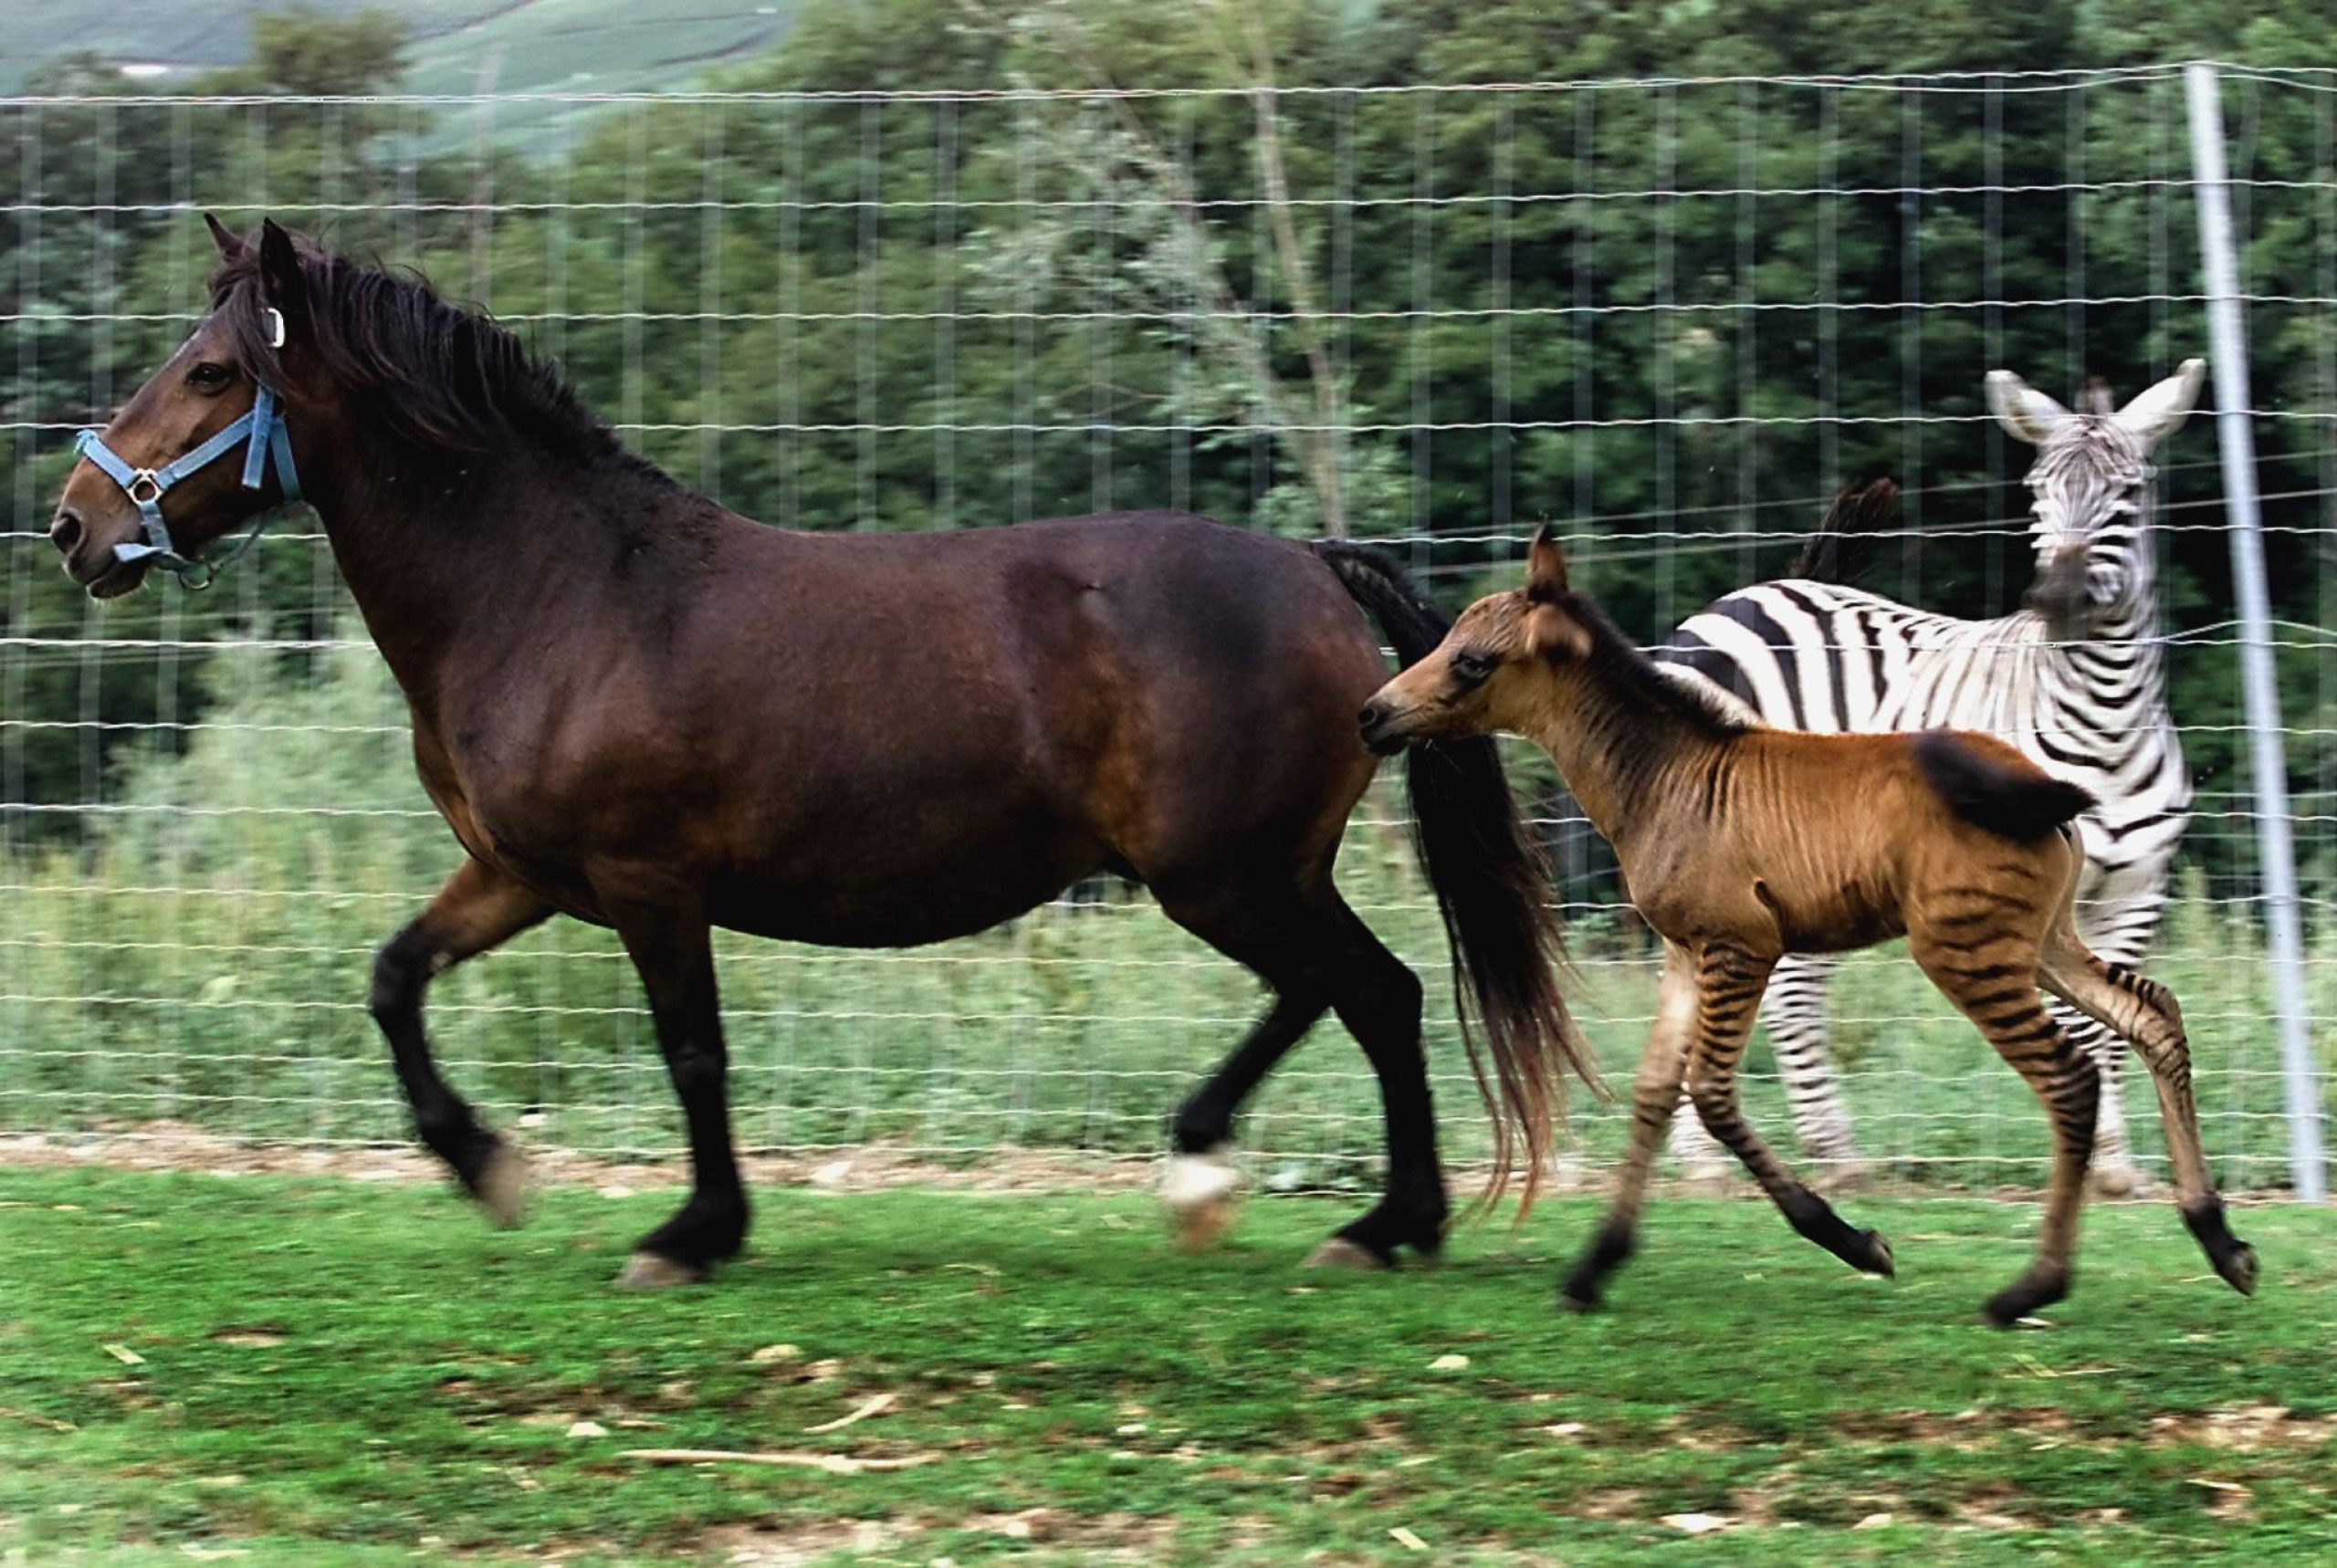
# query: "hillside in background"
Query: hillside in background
457,47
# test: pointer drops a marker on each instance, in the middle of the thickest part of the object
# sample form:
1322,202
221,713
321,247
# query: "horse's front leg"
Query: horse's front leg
670,944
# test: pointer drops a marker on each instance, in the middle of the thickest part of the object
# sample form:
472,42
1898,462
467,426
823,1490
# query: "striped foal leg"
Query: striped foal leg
2146,1014
1655,1094
1729,982
2117,923
1993,982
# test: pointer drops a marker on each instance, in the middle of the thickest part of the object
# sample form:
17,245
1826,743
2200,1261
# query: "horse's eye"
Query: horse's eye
1471,667
209,376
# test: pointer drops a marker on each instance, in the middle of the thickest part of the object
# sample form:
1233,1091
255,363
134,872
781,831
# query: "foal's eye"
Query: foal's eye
209,376
1471,668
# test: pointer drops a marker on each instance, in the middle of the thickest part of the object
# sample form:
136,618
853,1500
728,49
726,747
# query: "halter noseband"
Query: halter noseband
262,427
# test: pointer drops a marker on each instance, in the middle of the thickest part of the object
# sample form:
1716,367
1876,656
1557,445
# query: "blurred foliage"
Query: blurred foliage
804,269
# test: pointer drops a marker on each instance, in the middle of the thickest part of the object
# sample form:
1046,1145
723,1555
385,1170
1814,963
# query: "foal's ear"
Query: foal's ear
282,283
1546,565
1552,632
231,243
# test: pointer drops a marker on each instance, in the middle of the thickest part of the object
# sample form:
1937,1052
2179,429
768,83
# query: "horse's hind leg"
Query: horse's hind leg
478,908
1305,943
1729,982
2146,1014
1992,979
1200,1186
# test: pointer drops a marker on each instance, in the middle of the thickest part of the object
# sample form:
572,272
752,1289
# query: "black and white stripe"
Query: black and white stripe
2075,680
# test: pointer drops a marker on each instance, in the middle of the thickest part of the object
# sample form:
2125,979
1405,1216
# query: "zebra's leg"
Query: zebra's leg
2145,1012
1993,981
1655,1094
2117,923
1729,983
1795,1011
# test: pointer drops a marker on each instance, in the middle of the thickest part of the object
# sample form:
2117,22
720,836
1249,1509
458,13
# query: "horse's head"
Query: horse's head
201,448
2091,483
1490,672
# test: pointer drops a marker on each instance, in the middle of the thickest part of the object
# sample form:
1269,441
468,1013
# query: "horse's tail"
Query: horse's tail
2009,796
1843,547
1492,889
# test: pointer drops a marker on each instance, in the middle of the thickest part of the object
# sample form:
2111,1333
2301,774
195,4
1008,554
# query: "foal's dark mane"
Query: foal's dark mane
1642,720
439,377
1620,667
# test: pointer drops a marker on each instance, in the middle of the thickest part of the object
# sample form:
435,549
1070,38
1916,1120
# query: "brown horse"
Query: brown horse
638,709
1743,843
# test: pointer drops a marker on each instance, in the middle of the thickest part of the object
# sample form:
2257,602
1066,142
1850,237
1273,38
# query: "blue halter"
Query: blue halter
262,427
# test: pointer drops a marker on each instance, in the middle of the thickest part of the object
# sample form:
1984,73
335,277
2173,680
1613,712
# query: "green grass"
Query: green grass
328,1372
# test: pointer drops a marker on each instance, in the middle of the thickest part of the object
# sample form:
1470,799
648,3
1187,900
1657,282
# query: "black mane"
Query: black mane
435,375
1621,667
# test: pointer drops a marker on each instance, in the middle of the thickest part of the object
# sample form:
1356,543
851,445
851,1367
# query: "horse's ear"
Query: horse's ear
231,243
1546,565
2025,414
282,283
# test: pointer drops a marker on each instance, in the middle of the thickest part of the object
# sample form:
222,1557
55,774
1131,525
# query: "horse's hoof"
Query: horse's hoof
1339,1252
1202,1193
1570,1302
502,1186
1878,1255
650,1271
2116,1181
2239,1268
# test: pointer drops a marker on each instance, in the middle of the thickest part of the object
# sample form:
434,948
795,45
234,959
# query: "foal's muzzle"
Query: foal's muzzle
1378,722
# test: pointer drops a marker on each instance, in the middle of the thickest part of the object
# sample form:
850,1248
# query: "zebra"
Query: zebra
2074,680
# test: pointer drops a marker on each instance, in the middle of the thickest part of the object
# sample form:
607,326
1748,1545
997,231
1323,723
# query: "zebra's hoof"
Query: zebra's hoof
2116,1181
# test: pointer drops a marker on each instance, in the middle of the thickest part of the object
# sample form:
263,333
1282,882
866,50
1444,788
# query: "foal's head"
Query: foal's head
1491,671
212,380
2091,483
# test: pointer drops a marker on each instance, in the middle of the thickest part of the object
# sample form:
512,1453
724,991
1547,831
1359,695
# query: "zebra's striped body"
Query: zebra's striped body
2076,682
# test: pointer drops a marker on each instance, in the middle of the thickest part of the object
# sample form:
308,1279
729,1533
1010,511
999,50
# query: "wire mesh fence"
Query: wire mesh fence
1671,315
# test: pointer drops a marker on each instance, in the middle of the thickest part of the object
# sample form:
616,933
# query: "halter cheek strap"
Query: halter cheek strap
262,434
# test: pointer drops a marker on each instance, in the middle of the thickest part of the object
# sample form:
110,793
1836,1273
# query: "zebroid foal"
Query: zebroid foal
1743,843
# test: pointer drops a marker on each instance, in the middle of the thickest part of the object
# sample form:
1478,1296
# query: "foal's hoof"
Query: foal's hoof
2021,1300
1202,1192
502,1186
2239,1268
1878,1255
650,1271
1339,1252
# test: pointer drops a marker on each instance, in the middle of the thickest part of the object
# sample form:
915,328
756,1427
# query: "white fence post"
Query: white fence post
2228,342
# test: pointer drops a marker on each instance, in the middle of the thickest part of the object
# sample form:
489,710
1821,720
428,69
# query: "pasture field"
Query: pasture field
272,1370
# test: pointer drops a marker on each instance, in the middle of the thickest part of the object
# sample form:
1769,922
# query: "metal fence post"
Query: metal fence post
2227,344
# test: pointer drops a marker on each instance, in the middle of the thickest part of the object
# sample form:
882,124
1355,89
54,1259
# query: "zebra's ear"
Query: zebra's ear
2025,414
2159,412
1546,565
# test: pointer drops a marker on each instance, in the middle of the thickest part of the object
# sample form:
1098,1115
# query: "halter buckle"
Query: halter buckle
152,480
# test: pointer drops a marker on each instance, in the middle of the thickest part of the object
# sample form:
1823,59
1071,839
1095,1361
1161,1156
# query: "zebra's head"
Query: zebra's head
2092,483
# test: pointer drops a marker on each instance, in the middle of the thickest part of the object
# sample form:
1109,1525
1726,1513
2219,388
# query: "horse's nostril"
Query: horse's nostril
65,533
1371,714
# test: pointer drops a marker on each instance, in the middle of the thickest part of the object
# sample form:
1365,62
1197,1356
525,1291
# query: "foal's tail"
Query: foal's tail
1492,889
2009,796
